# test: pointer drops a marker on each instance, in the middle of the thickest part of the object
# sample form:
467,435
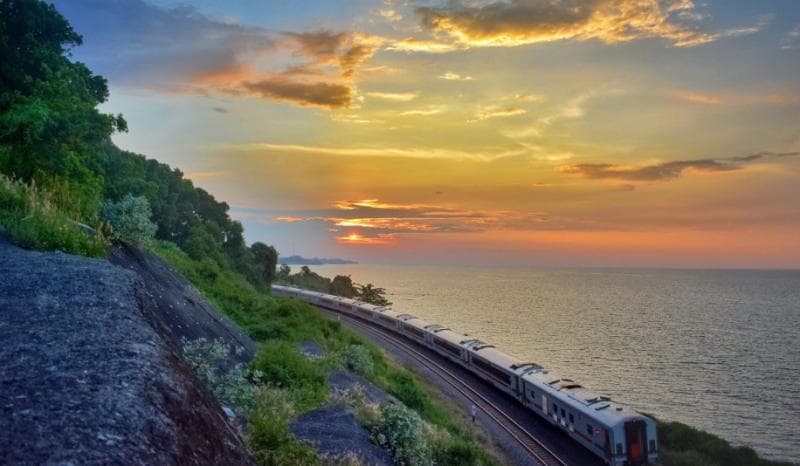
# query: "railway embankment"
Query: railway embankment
92,371
124,360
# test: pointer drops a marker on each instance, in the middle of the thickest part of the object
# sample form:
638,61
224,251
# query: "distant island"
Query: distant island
298,260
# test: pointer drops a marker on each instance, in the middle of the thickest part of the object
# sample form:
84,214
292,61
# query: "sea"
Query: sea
715,349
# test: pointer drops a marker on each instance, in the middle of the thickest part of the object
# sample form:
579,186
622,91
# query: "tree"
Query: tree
342,285
266,258
283,272
370,294
50,128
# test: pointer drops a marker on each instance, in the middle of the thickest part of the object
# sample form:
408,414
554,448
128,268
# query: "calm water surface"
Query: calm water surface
717,350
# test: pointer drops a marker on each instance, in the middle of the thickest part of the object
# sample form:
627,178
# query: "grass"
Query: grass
682,445
31,219
296,384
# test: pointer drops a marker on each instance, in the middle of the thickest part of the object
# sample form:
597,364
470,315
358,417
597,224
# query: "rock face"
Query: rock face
91,373
175,307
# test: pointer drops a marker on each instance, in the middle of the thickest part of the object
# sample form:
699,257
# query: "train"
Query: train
615,433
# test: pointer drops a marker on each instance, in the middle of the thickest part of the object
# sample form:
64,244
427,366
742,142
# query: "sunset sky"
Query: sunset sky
501,132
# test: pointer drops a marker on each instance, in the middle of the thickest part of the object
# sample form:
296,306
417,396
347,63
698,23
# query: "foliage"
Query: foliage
50,128
457,451
29,218
268,430
284,366
681,445
209,359
401,431
358,359
130,219
266,258
342,285
370,294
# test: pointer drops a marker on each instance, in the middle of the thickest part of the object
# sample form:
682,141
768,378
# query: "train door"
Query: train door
545,408
636,436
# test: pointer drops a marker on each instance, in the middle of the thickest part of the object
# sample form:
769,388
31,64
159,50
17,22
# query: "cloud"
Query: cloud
426,111
666,170
791,40
179,50
374,152
136,44
370,221
520,22
309,94
394,96
493,112
450,76
220,109
572,109
422,45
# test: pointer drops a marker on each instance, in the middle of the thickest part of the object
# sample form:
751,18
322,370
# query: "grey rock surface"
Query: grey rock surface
177,309
341,380
335,432
87,378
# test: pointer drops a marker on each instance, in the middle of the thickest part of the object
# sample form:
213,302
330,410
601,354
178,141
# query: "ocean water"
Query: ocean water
715,349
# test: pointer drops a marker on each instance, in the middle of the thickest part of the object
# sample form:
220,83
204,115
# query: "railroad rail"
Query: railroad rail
533,446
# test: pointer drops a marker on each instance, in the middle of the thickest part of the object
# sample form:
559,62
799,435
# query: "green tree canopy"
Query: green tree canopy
267,258
50,128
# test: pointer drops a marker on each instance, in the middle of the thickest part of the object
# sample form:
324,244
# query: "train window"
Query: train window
589,429
619,448
652,446
555,409
571,418
563,413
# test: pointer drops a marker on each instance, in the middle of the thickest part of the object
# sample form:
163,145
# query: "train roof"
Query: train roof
578,397
414,321
491,354
447,335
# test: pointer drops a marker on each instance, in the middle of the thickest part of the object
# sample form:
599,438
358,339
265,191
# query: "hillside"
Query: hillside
92,371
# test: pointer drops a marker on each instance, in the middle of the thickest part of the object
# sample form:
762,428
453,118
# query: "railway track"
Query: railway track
535,448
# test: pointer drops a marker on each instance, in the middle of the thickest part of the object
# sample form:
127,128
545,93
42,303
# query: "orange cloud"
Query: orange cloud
519,22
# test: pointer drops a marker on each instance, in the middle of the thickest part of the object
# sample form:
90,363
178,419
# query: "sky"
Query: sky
657,133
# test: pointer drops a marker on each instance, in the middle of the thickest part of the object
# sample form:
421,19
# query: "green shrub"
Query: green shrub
401,431
268,430
30,219
682,445
455,451
130,219
358,359
282,365
209,359
403,386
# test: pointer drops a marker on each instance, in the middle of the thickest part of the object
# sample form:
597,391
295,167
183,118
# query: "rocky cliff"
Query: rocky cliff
91,369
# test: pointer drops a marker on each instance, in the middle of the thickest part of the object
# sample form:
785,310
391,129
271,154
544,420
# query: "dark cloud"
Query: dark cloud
314,94
666,170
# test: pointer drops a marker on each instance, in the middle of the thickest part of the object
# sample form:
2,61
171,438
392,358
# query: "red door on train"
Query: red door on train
636,436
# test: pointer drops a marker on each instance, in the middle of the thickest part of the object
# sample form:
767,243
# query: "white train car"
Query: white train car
614,432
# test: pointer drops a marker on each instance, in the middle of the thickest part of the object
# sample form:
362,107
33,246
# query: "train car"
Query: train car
413,327
447,343
387,318
614,432
493,365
